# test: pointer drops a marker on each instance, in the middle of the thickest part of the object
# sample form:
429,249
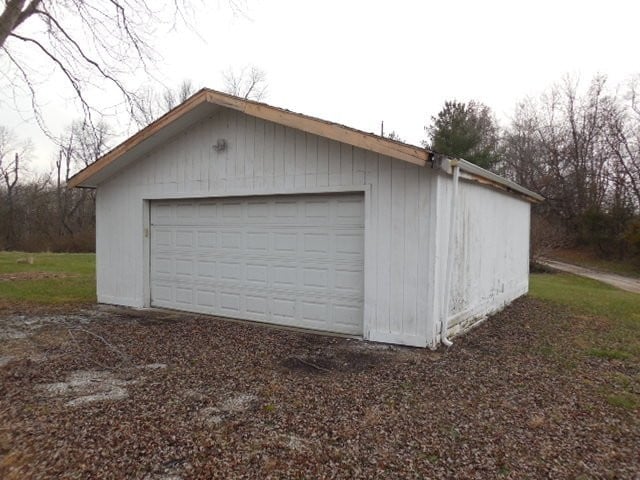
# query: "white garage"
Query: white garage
295,260
238,209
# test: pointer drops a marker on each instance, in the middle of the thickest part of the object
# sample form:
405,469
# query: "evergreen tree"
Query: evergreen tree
466,130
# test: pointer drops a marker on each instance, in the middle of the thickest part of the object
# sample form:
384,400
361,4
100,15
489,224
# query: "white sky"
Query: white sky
360,62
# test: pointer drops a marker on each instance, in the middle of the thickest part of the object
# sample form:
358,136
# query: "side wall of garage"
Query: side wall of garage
490,249
263,158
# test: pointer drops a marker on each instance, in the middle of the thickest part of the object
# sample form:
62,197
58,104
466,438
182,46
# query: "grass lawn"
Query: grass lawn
609,330
618,310
52,278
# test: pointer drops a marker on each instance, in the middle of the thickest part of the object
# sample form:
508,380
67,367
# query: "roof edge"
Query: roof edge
313,125
334,131
495,180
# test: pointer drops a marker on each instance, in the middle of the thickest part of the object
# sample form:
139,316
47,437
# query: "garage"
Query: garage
239,209
295,260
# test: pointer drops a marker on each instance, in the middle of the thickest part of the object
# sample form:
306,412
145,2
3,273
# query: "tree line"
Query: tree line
38,212
578,147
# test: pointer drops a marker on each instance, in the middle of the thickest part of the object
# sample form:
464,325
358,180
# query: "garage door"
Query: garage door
288,260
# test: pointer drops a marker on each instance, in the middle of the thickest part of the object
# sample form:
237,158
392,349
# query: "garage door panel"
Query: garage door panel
207,210
185,212
231,240
230,270
163,213
229,302
290,260
285,242
207,269
258,211
315,277
349,280
257,274
349,212
206,299
318,212
315,312
257,305
162,266
184,296
232,210
162,292
349,244
258,241
284,276
162,238
184,269
207,239
317,243
346,315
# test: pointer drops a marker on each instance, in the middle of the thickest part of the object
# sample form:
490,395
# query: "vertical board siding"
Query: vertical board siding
383,247
404,254
259,155
397,266
491,248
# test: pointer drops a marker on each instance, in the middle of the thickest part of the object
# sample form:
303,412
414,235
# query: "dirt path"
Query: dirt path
624,283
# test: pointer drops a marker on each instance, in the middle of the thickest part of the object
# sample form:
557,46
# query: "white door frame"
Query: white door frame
369,254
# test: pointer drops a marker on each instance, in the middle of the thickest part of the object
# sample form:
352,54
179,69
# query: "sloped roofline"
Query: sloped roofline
316,126
195,107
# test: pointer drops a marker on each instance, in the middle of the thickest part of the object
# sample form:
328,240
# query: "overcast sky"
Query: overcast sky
360,62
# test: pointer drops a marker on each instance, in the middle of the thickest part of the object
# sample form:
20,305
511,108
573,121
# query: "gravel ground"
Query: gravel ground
112,393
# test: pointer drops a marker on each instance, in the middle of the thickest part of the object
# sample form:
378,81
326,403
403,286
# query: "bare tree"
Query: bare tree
623,137
173,98
557,146
393,135
151,105
12,156
80,146
98,47
580,148
249,82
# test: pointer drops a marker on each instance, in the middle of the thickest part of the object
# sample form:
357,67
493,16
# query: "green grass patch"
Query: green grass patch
77,263
73,280
624,400
612,330
589,297
608,353
603,322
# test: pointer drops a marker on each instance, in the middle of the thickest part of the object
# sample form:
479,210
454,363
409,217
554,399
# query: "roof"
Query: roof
206,102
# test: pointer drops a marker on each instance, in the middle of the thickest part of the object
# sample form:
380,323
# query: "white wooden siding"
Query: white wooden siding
491,252
266,158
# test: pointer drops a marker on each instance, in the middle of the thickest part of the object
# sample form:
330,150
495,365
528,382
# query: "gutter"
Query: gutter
484,176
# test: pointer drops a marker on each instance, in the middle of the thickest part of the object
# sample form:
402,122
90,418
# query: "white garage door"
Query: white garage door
293,260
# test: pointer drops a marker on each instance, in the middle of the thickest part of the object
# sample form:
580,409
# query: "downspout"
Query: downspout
450,253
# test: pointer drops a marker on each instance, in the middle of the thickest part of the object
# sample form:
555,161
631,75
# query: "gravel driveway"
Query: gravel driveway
619,281
114,393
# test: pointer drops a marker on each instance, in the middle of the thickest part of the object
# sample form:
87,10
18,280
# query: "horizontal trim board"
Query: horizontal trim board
261,192
398,338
